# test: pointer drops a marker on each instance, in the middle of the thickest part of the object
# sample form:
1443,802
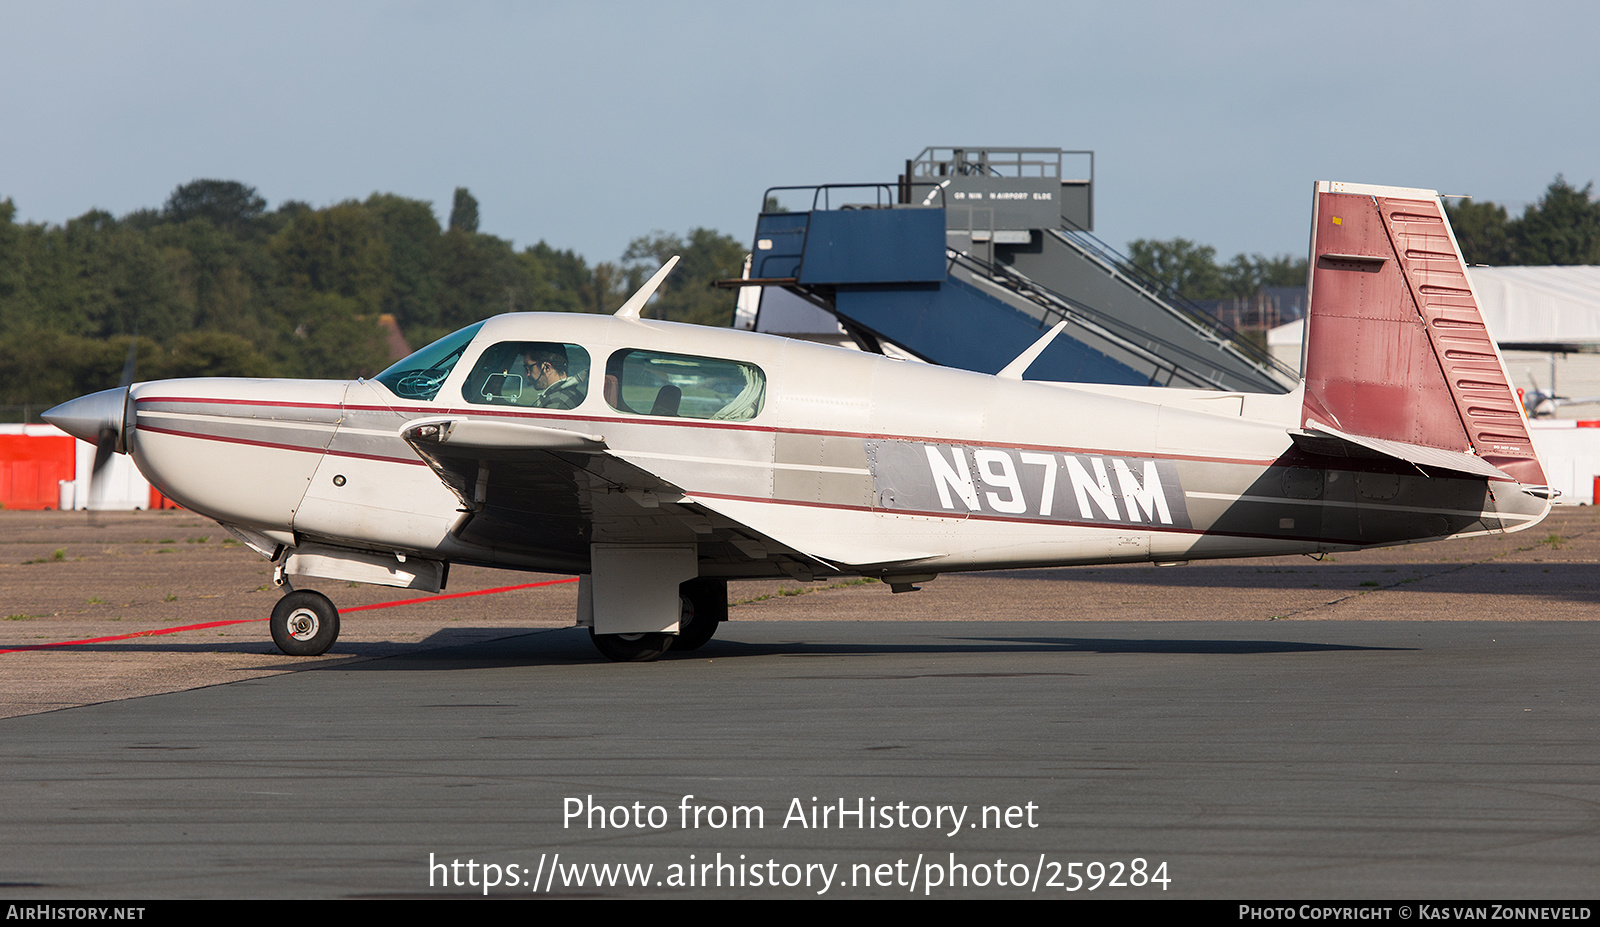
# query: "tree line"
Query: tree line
1191,270
1563,227
215,284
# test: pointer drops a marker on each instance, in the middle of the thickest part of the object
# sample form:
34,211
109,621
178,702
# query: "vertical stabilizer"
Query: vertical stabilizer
1396,347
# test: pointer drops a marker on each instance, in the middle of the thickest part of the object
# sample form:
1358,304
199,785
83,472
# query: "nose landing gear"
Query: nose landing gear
305,623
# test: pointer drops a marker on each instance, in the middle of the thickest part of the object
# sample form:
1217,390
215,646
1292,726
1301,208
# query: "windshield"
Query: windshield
420,375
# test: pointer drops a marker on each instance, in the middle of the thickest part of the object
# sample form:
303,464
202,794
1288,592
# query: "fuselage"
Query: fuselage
854,459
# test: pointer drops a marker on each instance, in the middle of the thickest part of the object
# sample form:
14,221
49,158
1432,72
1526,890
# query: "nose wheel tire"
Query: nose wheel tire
305,623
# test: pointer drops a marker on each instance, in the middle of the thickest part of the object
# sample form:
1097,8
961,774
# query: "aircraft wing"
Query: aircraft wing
547,493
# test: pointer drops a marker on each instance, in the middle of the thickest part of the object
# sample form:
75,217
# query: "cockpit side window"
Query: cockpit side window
683,386
420,375
533,374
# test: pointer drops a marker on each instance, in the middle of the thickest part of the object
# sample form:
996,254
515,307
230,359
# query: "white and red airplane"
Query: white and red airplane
659,460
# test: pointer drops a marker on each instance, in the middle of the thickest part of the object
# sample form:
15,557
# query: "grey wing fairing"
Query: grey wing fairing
547,494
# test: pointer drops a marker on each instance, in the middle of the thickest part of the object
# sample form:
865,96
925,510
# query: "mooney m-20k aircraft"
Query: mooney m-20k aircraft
658,460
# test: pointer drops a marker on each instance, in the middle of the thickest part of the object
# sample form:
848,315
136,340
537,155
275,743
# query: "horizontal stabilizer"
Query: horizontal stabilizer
1330,442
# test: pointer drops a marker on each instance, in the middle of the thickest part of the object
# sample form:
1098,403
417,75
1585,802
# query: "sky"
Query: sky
587,125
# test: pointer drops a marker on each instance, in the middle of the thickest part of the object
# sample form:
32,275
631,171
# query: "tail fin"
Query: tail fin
1397,355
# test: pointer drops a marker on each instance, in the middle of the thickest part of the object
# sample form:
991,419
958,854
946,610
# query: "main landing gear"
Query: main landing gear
704,605
305,623
631,648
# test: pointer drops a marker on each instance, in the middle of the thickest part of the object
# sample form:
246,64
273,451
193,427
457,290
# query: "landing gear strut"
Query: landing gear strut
305,623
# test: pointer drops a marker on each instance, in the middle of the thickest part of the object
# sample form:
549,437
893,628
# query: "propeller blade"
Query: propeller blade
113,439
127,365
103,449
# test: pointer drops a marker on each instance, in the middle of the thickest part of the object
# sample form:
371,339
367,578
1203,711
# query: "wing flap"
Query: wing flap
844,550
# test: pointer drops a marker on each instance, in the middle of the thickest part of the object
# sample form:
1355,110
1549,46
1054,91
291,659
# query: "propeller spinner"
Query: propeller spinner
99,418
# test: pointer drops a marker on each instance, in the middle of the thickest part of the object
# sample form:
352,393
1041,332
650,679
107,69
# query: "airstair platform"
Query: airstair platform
971,254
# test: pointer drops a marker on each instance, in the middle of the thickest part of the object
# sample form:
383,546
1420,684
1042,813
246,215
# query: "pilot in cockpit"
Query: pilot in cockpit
545,366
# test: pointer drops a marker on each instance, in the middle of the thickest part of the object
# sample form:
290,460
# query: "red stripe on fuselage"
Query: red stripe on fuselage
733,498
1125,528
722,426
275,446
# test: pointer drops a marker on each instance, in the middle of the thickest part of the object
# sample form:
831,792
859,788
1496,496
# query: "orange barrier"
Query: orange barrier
31,468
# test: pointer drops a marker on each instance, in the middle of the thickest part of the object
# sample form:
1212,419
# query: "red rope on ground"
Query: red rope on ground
343,611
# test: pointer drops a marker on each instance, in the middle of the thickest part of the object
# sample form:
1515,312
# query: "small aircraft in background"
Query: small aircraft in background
1543,403
657,460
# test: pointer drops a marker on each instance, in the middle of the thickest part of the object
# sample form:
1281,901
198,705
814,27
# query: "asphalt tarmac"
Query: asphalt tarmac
1414,723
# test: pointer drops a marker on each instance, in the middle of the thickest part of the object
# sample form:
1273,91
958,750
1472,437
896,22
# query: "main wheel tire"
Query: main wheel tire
705,606
305,623
631,648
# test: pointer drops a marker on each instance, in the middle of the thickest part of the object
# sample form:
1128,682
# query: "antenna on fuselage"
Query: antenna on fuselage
635,303
1015,369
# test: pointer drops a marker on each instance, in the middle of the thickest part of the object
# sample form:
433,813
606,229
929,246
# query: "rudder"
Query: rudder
1396,347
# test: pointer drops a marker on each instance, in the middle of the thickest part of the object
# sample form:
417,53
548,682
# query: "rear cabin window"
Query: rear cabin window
682,386
532,374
